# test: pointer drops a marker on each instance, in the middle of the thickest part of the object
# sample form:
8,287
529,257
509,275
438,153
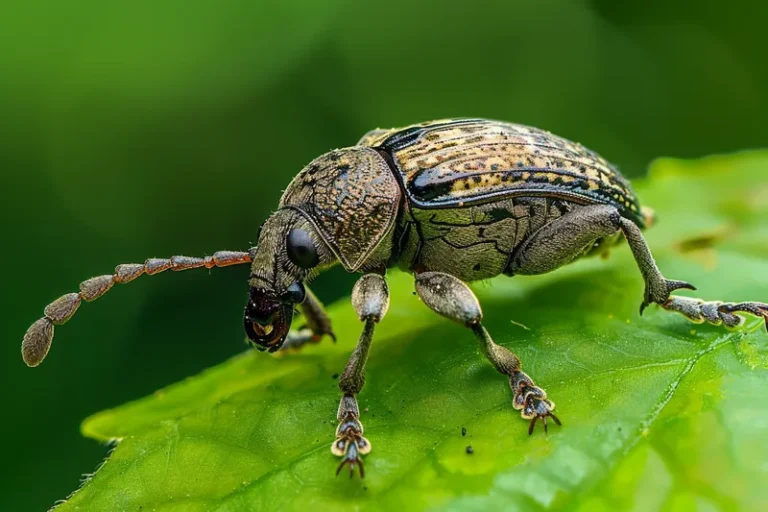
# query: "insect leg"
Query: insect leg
370,298
452,298
659,289
37,341
318,324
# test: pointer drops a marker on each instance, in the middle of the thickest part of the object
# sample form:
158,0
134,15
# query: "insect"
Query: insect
450,201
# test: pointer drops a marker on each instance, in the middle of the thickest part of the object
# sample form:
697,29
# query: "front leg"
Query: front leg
370,298
318,324
452,298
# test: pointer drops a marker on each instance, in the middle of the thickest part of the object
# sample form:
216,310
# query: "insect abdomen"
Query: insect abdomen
474,242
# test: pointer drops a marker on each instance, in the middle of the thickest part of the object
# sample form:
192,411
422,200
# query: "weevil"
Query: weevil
449,201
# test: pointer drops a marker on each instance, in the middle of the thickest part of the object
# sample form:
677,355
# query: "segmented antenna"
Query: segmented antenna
37,340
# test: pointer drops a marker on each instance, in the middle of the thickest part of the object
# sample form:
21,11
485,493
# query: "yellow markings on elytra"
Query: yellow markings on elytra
475,158
549,176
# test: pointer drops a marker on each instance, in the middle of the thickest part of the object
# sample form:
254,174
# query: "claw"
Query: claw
663,295
532,425
753,308
679,285
543,418
350,443
531,401
540,410
352,459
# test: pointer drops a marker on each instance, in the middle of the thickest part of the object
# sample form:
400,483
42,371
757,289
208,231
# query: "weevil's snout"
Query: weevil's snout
268,317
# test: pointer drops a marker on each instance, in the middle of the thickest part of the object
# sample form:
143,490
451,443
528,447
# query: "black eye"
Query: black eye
296,293
301,249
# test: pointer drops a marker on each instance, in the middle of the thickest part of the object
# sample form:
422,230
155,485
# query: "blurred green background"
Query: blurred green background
130,130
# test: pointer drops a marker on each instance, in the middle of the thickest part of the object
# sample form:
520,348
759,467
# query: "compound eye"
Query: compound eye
301,249
296,293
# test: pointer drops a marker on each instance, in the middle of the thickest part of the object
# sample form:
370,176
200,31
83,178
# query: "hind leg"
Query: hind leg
572,235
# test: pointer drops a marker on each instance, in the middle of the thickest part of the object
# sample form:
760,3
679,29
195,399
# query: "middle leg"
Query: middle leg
452,298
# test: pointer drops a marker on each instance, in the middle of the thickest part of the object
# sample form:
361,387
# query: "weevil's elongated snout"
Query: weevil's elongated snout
267,319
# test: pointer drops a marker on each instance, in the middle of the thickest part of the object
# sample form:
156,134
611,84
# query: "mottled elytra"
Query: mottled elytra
450,201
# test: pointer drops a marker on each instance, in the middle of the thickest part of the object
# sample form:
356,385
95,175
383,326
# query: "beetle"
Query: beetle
450,201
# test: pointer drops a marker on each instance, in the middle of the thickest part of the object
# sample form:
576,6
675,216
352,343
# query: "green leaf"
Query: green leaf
658,413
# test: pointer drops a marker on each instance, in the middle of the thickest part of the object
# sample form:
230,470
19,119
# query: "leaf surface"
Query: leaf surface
658,413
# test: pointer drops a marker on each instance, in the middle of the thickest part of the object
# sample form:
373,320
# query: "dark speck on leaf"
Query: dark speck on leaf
463,431
335,376
470,450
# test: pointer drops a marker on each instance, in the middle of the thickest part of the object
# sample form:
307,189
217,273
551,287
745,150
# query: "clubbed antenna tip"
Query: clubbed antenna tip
37,342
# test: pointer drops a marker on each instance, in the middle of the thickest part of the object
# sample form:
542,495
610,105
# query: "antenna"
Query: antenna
38,339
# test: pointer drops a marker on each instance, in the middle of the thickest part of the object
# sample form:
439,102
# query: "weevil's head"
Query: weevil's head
288,252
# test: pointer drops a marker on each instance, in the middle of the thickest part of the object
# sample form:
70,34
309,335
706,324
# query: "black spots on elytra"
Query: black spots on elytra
494,167
477,179
582,184
475,140
467,186
521,163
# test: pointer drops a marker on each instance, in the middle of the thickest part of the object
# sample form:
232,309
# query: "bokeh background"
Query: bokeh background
144,128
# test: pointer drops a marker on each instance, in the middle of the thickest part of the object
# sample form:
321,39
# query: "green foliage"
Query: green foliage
658,413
